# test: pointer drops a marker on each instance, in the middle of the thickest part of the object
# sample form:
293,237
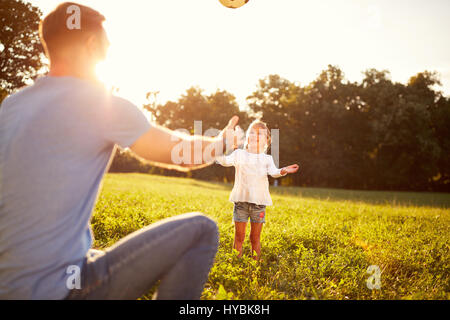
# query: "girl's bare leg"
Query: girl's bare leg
255,236
239,236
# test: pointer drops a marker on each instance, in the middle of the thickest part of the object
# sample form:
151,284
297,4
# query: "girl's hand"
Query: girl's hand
289,169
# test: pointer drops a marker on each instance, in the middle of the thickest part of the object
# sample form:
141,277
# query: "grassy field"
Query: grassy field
316,244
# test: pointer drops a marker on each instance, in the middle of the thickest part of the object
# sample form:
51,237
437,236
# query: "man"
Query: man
57,138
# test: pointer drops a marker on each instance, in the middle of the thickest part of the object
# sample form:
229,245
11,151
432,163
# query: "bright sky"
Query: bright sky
171,45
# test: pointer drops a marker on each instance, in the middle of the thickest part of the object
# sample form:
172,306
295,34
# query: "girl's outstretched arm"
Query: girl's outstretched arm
293,168
276,173
273,170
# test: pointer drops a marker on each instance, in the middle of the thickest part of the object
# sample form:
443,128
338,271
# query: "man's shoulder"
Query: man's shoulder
120,101
17,95
70,88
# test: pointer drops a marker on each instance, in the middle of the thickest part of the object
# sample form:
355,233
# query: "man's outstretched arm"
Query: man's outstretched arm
178,151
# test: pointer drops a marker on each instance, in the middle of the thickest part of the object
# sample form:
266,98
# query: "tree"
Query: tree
336,128
406,150
214,111
21,51
3,94
440,126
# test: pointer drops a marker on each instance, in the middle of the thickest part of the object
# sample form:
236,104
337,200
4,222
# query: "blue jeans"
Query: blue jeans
179,251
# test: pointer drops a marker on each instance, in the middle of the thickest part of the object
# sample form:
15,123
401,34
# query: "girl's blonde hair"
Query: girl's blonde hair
257,123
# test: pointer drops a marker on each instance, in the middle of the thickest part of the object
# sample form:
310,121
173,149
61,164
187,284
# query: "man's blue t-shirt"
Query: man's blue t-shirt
56,141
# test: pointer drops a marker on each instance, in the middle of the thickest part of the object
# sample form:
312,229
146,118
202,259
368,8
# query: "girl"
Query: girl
250,193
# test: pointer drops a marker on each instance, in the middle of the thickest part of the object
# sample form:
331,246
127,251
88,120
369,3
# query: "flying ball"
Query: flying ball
233,4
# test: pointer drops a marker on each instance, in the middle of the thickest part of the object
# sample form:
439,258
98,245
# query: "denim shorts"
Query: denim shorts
243,210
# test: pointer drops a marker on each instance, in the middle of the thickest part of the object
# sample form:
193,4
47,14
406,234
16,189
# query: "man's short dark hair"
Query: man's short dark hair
56,35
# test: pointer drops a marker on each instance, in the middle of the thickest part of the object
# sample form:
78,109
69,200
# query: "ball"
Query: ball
233,4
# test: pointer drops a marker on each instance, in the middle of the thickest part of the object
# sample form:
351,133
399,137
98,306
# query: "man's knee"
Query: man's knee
208,225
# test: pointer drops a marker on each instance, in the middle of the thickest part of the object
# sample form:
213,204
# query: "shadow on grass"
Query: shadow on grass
392,198
395,198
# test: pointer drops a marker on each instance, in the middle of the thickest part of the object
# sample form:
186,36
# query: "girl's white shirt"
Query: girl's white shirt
250,183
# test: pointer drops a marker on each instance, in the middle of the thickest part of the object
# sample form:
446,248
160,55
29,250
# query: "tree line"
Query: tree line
375,134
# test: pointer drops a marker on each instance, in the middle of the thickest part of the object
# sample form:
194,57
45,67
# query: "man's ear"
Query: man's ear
96,47
91,44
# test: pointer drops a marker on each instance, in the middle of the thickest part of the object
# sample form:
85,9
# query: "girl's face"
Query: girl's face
257,139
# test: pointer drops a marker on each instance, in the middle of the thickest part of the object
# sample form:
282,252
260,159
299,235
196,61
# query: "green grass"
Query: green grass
316,244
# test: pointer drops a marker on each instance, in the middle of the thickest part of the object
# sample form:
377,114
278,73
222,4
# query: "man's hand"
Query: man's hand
289,169
158,144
